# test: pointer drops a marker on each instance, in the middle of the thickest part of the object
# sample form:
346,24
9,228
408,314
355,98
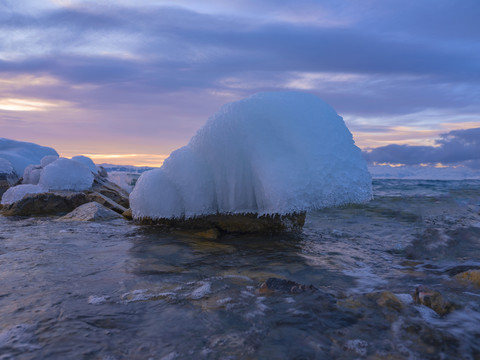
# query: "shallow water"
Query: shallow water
119,291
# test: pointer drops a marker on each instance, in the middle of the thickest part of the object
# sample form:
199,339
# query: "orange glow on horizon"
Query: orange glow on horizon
152,160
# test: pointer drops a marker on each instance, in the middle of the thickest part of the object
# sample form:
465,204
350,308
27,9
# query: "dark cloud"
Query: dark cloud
458,146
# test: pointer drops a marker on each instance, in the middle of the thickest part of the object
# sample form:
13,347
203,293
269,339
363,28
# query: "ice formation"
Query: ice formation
31,175
66,174
87,162
272,153
48,160
17,193
5,166
21,154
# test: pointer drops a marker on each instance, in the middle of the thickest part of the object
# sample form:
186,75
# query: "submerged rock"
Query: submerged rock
91,211
285,286
472,276
433,299
235,223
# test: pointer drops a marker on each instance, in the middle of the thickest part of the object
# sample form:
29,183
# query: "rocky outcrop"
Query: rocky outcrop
92,211
60,202
236,223
48,203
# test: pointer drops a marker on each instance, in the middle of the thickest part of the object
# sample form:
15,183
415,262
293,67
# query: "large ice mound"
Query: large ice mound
21,154
272,153
66,174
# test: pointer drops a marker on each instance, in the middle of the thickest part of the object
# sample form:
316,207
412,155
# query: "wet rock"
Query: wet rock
472,276
432,299
285,286
127,214
236,223
91,211
105,201
48,203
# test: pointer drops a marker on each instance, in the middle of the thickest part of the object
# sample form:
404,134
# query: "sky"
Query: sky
129,81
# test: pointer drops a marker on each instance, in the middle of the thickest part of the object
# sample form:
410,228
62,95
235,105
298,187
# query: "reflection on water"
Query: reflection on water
119,291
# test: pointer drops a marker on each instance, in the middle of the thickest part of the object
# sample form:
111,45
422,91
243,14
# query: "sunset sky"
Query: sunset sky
128,81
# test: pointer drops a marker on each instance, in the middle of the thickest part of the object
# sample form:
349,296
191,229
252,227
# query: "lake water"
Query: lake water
114,290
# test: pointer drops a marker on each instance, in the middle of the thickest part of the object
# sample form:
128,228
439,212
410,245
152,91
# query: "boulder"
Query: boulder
48,203
235,223
92,211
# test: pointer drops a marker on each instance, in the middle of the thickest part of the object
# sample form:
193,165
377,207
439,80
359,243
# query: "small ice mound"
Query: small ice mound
17,193
66,174
31,175
272,153
48,160
87,162
21,154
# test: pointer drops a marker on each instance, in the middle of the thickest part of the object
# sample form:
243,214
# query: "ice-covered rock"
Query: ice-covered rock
21,154
18,192
66,174
45,203
272,153
87,162
92,211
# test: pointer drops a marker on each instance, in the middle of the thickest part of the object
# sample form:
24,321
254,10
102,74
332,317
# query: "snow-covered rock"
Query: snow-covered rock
18,192
87,162
66,174
91,211
272,153
21,154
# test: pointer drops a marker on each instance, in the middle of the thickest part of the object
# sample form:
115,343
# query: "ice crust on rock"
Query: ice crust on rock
16,193
87,162
272,153
66,174
21,154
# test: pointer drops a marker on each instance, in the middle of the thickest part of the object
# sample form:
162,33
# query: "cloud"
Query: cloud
454,147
